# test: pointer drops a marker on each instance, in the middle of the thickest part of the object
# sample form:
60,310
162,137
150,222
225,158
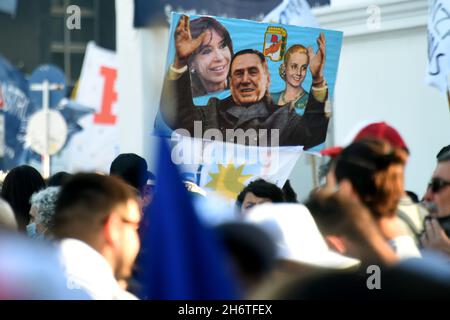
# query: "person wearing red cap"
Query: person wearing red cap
374,171
375,130
381,130
410,215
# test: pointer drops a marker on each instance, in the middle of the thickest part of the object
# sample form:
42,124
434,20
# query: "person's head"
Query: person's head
249,77
7,218
210,63
42,210
103,212
295,65
382,131
438,191
375,172
251,251
348,227
18,186
442,151
132,169
258,192
374,130
58,179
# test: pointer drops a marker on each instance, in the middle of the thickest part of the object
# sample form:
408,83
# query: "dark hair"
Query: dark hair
443,154
87,199
413,196
248,51
251,250
262,189
197,27
367,164
19,185
289,193
337,215
132,168
58,179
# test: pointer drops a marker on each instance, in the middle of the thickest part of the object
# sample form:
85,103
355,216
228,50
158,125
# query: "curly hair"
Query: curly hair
45,203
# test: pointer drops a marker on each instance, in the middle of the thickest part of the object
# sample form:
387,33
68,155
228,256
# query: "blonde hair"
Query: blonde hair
296,48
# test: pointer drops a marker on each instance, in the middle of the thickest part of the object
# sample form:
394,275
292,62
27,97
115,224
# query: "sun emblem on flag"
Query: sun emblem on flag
229,181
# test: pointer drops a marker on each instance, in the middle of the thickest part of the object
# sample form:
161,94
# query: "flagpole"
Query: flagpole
46,87
314,171
46,156
448,99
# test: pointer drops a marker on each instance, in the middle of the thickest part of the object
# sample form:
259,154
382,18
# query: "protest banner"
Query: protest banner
261,86
202,93
97,144
438,44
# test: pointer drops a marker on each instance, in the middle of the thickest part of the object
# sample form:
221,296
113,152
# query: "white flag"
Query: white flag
438,44
96,146
226,168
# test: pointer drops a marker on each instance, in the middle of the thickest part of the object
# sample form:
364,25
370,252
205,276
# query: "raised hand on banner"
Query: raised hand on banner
317,61
184,44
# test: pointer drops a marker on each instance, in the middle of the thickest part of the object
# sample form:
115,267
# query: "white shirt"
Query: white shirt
405,247
30,270
88,270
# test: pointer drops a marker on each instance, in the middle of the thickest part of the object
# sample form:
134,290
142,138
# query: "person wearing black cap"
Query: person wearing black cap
133,169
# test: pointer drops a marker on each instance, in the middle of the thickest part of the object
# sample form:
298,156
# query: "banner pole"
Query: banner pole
448,99
314,171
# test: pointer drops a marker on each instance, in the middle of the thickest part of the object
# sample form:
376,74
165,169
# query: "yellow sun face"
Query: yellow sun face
229,181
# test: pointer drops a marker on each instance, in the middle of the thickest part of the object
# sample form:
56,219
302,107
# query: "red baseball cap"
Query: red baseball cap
376,130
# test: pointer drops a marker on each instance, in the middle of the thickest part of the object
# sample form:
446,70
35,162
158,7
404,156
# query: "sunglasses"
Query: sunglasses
437,184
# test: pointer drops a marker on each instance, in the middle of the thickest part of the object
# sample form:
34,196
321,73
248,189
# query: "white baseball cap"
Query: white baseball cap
296,235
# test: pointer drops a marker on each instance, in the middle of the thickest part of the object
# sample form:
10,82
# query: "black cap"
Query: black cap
132,169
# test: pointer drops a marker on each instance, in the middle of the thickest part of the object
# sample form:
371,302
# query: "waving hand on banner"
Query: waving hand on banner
184,44
317,60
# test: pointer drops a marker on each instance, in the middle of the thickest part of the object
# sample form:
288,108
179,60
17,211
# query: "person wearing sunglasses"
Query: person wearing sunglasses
437,227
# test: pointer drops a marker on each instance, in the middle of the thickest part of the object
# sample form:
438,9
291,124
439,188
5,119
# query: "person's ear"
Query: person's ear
336,243
111,229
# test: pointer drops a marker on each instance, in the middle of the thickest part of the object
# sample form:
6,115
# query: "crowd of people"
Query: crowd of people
81,233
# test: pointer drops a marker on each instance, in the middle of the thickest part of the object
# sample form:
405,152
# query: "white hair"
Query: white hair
45,202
